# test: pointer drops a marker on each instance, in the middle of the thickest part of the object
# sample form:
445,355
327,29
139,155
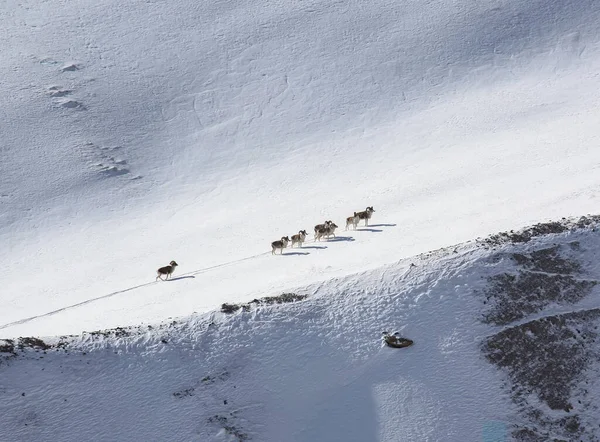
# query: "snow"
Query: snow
140,132
311,370
322,371
202,132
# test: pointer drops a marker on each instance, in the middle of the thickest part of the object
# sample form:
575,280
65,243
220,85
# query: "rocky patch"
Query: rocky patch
541,277
269,300
546,362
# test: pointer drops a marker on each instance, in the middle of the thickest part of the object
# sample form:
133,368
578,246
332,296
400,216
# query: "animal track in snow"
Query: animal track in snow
66,67
105,161
70,67
48,61
71,104
59,95
57,91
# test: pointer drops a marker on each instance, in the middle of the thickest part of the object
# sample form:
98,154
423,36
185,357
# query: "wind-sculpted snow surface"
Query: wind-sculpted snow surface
311,365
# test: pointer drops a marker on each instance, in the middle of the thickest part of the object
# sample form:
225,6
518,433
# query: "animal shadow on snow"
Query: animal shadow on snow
314,247
340,238
295,253
180,277
370,229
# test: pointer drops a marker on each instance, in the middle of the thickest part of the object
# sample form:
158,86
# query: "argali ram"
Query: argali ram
366,214
352,221
279,245
326,231
299,238
321,227
166,270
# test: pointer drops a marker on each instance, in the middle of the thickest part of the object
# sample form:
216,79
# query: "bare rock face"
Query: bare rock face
550,359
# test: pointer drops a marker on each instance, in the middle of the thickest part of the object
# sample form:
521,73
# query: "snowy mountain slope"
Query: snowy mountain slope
140,133
317,370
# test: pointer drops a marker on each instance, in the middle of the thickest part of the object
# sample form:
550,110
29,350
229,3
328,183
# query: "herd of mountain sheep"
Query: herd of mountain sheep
324,230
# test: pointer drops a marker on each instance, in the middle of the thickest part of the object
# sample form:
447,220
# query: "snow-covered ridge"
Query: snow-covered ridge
230,377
